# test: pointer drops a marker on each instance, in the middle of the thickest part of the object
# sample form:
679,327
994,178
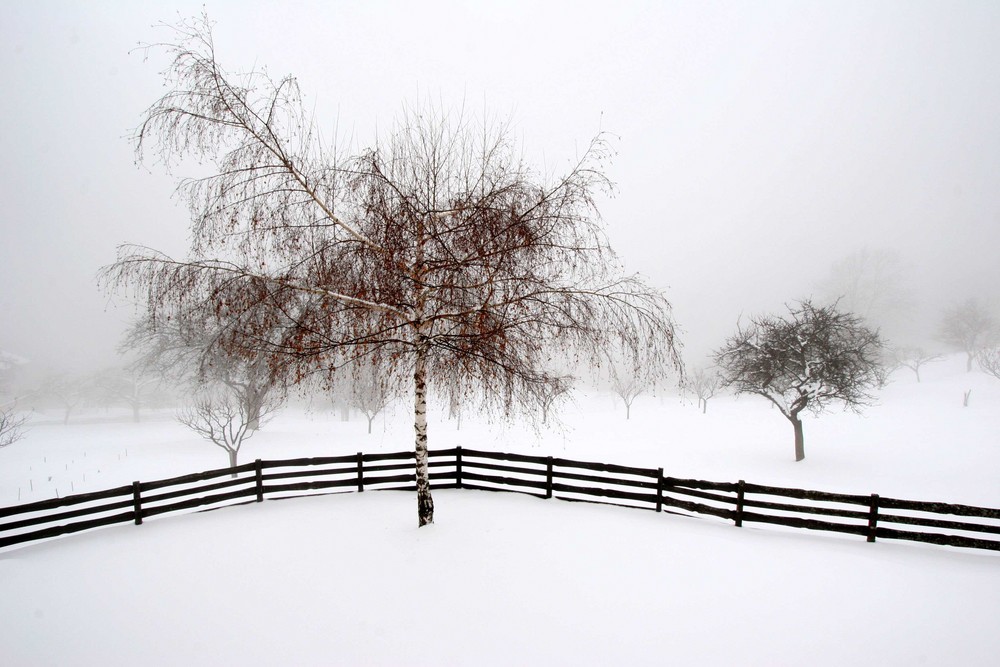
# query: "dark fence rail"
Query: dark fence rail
871,516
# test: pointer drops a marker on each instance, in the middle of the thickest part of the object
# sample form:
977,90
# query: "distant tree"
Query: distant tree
968,327
808,360
436,255
551,392
369,393
133,385
199,346
67,391
628,386
222,419
913,358
11,426
704,382
870,284
989,361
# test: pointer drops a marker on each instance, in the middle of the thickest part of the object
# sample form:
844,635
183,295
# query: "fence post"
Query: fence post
137,502
548,477
458,466
740,497
361,472
259,475
659,489
873,517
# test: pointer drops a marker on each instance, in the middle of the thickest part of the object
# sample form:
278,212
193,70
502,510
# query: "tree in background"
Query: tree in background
435,256
913,358
628,386
968,327
223,419
704,382
989,361
549,393
135,385
871,285
11,426
808,360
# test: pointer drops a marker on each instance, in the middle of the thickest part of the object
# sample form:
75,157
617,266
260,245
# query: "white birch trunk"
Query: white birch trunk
425,504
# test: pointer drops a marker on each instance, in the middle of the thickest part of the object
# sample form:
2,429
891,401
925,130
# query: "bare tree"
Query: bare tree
436,255
222,419
133,385
968,327
370,394
197,346
913,358
989,361
68,391
815,357
551,392
11,426
704,382
870,284
628,386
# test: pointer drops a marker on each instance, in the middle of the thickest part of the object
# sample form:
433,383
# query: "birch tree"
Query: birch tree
436,255
811,359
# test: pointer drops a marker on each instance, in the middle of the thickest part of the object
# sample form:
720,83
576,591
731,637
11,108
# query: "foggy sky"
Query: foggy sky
758,142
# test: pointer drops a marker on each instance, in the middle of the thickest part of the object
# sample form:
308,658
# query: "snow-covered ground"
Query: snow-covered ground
506,579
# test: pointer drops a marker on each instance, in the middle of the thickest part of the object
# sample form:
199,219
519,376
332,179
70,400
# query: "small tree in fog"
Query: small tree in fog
370,394
628,387
133,385
223,419
11,426
551,392
704,383
436,255
913,358
989,361
968,327
808,360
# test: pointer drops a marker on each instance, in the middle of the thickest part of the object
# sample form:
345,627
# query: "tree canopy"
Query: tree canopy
436,255
810,359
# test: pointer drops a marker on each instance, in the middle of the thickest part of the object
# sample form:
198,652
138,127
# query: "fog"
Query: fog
758,143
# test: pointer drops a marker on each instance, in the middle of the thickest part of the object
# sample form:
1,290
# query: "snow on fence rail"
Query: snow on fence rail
543,476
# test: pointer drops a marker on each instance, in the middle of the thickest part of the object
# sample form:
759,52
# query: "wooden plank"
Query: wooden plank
927,522
196,477
605,493
808,509
699,508
200,501
311,472
65,501
56,531
605,467
308,462
600,479
393,456
187,491
497,467
938,538
940,508
805,494
493,489
810,524
700,484
501,456
62,516
728,500
506,481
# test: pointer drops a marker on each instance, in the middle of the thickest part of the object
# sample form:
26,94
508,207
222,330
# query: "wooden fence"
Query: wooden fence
872,517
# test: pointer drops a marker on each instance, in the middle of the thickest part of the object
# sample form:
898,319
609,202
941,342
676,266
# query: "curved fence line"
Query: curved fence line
872,516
